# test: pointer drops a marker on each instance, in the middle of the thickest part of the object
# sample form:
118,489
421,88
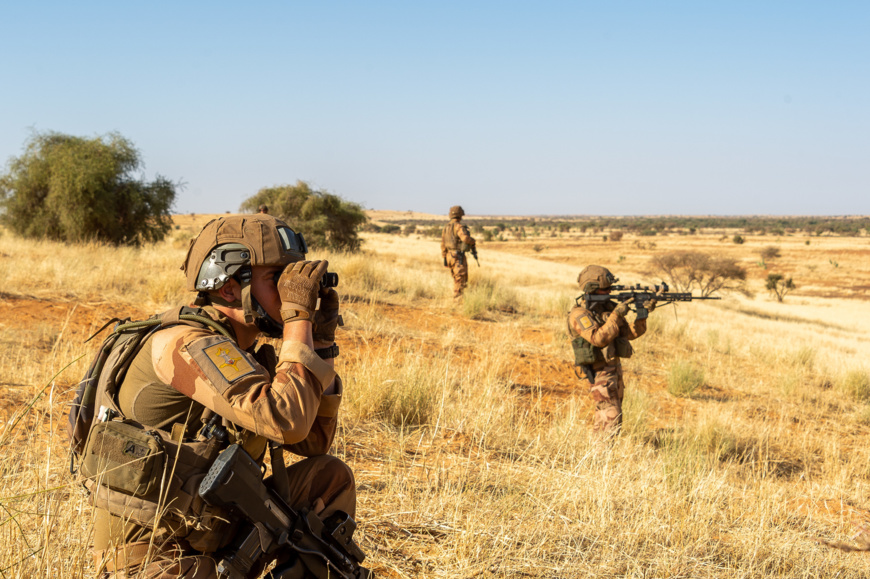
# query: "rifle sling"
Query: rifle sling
279,470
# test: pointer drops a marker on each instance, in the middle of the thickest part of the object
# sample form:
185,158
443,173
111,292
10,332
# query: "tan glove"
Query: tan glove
622,309
327,318
650,305
298,287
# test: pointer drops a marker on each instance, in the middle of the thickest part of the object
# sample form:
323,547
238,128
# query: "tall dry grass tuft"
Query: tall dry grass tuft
856,384
485,296
684,378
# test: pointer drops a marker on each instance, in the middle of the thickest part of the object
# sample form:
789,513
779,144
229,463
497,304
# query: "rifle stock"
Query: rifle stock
324,548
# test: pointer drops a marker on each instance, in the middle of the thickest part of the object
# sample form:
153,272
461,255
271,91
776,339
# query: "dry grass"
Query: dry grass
472,452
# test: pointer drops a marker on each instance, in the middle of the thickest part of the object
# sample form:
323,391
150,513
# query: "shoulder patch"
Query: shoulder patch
585,322
229,360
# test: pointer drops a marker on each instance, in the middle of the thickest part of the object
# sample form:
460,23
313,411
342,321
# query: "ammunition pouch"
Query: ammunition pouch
146,477
124,458
623,347
584,352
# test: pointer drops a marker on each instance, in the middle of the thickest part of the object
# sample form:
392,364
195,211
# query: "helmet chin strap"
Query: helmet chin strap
266,323
253,311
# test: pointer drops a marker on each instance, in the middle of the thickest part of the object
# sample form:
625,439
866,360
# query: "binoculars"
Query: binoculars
329,279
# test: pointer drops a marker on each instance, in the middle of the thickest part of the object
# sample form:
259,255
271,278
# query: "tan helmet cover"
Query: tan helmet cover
456,212
595,277
270,240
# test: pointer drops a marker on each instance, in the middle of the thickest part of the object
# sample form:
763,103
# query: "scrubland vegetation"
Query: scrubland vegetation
744,438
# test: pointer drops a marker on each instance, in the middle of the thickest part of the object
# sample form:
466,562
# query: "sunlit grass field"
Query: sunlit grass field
746,419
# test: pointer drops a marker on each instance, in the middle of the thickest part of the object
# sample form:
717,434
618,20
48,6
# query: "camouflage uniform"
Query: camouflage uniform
183,373
608,334
455,241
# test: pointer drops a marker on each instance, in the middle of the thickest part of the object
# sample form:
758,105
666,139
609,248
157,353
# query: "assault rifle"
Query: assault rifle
638,296
323,548
473,252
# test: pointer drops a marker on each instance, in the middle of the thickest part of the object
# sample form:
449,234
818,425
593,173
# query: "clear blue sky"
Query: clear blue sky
619,107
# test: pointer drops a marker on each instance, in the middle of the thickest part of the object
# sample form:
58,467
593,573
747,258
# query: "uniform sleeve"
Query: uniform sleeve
585,326
463,234
633,330
319,438
215,372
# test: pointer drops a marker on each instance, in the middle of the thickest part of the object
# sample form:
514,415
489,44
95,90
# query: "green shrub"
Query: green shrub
326,220
76,189
738,239
684,378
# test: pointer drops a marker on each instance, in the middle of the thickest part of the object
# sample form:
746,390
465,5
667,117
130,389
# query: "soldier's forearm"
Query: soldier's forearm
331,361
638,329
299,332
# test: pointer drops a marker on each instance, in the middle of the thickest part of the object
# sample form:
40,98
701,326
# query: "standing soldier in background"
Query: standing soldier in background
455,242
264,209
600,335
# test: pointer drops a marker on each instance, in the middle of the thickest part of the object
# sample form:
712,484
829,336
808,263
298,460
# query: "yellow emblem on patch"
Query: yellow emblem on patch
585,322
229,360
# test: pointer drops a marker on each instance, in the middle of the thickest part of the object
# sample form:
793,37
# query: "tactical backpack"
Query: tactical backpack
139,473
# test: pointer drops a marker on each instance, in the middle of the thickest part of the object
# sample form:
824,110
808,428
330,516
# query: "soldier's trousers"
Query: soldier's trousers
317,480
608,391
459,268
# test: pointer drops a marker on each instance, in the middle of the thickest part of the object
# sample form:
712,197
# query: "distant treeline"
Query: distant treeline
845,226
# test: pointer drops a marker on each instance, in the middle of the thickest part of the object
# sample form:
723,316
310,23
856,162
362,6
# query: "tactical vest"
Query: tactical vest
451,241
585,354
141,474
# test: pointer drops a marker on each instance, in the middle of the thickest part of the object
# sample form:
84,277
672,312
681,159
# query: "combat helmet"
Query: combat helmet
227,247
595,277
456,212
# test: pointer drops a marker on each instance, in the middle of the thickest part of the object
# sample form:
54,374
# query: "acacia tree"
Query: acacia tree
324,218
688,270
77,189
779,285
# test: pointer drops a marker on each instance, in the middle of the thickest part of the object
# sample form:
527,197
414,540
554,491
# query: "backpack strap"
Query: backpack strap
121,346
